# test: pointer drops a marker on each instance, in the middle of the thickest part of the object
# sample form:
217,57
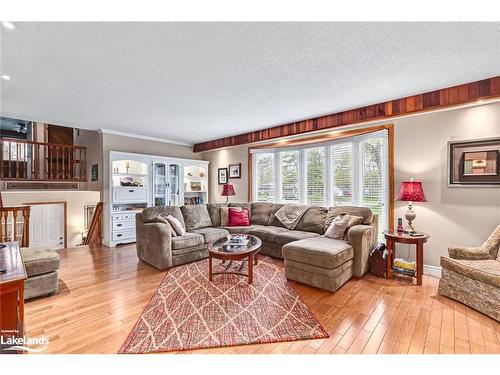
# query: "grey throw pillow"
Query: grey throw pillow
176,224
161,219
338,227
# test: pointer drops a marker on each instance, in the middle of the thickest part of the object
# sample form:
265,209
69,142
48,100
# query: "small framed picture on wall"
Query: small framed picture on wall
235,170
94,172
222,176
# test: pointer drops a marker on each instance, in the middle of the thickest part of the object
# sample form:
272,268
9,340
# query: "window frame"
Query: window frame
385,131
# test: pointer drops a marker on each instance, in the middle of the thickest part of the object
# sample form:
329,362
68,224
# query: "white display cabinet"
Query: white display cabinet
196,183
129,194
138,181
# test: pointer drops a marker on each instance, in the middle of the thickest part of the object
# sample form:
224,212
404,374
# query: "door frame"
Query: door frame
65,216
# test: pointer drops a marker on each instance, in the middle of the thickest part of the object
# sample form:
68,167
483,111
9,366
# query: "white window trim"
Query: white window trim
356,140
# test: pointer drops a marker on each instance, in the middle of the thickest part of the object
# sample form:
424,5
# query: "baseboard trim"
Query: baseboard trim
432,271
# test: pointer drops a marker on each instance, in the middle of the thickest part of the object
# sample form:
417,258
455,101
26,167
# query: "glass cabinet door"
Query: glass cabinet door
173,184
160,183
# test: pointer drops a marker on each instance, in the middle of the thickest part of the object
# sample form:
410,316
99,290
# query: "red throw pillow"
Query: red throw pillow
238,218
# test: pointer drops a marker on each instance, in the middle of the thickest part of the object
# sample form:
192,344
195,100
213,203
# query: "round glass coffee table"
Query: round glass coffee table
227,250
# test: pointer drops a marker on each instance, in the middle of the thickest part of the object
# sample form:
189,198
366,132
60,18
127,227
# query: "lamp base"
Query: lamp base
409,229
410,216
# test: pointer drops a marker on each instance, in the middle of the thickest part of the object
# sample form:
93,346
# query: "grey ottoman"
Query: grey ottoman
319,261
41,266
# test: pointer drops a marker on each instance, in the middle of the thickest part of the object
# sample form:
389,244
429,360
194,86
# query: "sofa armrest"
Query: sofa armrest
154,243
361,238
471,253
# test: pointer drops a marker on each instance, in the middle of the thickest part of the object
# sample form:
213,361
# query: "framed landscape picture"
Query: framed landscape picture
195,186
474,163
235,170
222,176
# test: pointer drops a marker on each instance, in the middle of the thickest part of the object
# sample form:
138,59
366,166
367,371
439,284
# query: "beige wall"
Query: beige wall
92,140
463,216
221,159
76,200
112,142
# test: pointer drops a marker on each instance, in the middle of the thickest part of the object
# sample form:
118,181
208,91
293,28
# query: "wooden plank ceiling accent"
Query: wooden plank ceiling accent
429,101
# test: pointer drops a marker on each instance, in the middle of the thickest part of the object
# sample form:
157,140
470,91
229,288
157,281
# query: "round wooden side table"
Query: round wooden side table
392,237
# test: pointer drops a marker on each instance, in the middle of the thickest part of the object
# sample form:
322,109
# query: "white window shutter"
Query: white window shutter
290,176
315,175
341,166
264,177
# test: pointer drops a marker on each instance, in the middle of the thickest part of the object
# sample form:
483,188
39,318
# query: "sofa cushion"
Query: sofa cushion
187,240
486,270
260,213
211,234
337,228
319,251
149,214
39,261
176,225
196,216
273,220
214,212
283,238
333,212
268,233
313,220
238,217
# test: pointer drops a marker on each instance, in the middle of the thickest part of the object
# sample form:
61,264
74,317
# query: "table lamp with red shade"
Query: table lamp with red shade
228,191
411,191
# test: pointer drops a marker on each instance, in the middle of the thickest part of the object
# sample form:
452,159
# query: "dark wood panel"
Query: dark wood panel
447,97
60,135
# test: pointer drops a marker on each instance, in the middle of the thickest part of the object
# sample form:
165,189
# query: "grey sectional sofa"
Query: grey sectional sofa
309,256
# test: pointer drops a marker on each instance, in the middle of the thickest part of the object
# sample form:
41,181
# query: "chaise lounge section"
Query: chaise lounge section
309,256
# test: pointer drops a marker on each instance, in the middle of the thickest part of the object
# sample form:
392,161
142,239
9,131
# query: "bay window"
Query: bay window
348,171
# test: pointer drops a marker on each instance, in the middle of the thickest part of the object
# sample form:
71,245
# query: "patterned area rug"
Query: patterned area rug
190,312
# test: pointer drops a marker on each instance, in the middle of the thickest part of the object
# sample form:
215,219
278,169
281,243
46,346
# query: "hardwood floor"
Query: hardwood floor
103,292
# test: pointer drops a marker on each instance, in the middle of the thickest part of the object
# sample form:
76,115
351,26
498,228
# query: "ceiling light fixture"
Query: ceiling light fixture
5,77
8,25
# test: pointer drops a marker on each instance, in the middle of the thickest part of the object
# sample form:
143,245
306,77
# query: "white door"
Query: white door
47,226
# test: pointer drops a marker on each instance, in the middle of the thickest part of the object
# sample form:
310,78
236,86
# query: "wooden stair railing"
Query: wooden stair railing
22,160
11,228
94,234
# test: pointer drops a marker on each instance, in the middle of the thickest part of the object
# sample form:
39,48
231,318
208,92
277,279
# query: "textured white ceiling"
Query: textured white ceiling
194,82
